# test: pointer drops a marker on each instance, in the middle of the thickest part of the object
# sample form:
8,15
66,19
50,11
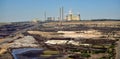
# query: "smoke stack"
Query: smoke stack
45,16
62,13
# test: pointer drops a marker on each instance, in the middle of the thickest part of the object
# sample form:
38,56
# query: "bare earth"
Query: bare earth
118,51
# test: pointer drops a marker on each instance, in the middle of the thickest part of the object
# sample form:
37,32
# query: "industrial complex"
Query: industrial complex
65,37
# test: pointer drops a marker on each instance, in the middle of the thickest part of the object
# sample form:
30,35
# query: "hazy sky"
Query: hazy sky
25,10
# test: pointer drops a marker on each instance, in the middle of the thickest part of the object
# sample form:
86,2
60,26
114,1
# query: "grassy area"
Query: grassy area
46,56
49,52
87,55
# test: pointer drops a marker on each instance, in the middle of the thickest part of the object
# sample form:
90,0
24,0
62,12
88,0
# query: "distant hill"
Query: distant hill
1,23
105,20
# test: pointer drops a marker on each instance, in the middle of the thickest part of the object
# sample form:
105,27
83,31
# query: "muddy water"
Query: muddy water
27,53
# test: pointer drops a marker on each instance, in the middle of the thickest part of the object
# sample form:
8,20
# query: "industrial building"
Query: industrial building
72,17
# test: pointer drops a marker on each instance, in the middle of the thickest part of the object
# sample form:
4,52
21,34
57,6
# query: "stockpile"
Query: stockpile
27,41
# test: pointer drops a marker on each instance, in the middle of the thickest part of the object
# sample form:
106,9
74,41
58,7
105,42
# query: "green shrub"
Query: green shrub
85,55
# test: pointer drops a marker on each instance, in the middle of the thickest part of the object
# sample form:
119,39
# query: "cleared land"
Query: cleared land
100,35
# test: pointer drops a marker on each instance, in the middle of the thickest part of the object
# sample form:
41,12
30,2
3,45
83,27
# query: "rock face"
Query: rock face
27,41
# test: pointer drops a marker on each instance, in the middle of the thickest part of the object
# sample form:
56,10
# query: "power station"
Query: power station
72,17
69,17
